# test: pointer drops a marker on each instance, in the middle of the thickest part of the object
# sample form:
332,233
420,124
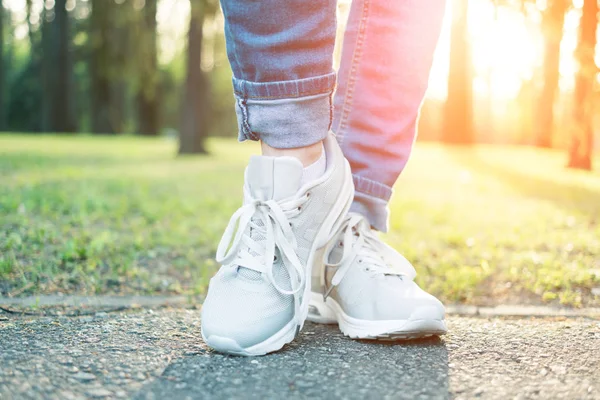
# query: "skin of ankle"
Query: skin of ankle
307,155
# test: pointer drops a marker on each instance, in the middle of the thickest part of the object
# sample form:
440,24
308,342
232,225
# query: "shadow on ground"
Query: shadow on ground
321,363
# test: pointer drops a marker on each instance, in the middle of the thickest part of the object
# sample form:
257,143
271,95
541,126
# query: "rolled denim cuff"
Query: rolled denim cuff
371,200
285,114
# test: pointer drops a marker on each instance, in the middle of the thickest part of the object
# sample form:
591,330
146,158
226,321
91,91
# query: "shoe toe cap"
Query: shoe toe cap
245,333
244,319
406,301
414,303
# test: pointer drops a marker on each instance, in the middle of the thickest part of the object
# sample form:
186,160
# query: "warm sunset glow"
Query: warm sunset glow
506,49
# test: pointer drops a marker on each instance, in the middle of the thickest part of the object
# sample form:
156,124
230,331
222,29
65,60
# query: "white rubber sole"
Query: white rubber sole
424,322
274,343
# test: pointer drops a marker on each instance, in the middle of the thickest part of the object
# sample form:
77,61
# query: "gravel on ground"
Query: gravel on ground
159,354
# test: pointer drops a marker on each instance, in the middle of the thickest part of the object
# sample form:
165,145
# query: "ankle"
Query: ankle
307,155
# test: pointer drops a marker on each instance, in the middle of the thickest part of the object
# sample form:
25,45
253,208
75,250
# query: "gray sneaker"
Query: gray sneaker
367,288
259,298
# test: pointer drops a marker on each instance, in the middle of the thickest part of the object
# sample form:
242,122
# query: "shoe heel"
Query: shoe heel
319,311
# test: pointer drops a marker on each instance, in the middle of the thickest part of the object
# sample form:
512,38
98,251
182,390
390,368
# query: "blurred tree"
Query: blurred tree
580,151
61,116
30,30
552,30
223,121
2,70
147,86
458,121
25,108
81,55
196,107
123,64
47,67
100,66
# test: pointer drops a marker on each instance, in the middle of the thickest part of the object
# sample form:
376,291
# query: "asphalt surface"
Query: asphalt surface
159,354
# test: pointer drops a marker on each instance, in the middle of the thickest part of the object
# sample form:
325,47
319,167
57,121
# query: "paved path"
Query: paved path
147,354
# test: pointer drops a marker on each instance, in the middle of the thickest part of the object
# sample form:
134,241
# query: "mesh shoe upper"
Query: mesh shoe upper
369,279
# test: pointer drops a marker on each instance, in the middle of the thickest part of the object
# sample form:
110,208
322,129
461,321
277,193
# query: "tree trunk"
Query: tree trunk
28,6
147,95
580,151
124,26
47,65
62,119
100,23
552,28
458,121
194,123
38,62
2,71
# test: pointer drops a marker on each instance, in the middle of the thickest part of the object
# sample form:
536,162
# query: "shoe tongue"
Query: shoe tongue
270,178
273,178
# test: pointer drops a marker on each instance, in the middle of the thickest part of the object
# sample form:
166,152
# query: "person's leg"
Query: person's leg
281,55
386,58
366,287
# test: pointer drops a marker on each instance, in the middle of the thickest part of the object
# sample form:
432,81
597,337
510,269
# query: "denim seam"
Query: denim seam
372,188
356,56
300,95
245,119
330,110
306,87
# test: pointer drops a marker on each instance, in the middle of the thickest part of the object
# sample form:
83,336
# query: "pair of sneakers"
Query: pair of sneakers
293,252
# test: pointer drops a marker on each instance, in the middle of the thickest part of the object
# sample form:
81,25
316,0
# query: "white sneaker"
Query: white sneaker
258,300
367,288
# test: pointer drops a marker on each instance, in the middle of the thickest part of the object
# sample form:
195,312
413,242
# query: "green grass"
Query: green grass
115,215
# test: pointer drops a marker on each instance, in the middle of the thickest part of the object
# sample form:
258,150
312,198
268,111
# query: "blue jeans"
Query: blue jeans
281,54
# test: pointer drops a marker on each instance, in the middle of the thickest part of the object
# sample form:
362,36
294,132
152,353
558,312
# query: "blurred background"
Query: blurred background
499,204
506,71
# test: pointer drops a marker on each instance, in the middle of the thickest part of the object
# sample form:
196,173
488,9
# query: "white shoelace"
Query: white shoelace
368,249
259,255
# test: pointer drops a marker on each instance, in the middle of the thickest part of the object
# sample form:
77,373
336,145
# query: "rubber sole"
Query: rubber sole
276,342
424,322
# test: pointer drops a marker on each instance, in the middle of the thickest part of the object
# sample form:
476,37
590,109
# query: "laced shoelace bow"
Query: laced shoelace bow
369,249
243,250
